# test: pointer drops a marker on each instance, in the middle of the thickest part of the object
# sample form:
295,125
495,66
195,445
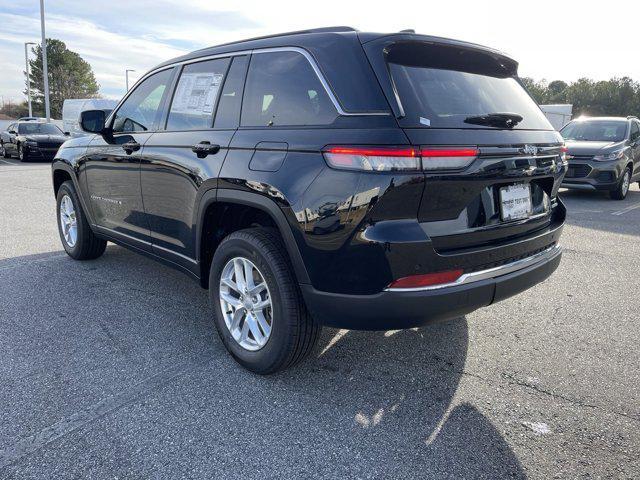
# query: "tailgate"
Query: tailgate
463,209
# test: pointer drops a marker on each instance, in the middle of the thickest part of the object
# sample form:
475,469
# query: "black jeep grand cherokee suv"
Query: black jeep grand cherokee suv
324,177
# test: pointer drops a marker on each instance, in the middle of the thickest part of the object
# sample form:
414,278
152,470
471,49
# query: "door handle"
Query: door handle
131,147
205,148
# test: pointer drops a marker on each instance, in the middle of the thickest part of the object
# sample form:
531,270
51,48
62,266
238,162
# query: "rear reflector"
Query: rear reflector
427,279
390,159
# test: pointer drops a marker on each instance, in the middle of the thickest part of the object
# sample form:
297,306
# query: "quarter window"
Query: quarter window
635,131
283,90
228,112
140,111
196,94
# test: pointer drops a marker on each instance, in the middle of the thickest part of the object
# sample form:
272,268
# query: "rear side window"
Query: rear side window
283,90
439,89
228,112
195,97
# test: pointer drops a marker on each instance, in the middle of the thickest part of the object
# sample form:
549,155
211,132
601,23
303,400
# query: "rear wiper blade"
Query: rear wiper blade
506,120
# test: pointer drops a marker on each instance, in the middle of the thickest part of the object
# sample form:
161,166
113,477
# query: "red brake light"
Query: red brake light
377,159
375,151
444,158
449,152
427,280
388,159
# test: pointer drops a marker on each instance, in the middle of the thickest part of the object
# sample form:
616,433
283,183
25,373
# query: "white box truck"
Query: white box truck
558,115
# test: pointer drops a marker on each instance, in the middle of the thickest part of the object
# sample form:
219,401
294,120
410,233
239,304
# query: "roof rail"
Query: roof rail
337,29
408,30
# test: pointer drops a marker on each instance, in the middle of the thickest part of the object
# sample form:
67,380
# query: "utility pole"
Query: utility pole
45,71
126,74
26,64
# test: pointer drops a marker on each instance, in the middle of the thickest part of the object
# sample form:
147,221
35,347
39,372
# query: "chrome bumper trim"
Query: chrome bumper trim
489,273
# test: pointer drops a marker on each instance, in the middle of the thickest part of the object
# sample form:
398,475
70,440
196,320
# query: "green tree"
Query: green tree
537,89
70,76
556,91
615,97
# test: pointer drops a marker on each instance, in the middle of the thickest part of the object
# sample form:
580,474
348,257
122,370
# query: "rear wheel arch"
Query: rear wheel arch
223,212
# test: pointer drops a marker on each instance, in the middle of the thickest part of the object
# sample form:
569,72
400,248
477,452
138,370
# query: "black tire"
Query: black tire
87,246
23,155
294,333
4,152
621,190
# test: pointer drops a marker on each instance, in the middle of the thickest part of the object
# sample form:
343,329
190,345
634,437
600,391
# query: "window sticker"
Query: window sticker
196,93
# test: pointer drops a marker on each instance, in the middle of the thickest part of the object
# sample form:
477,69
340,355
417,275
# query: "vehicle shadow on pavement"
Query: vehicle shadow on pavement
404,384
376,404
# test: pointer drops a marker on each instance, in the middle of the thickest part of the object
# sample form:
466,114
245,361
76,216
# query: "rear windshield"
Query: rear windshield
437,90
595,131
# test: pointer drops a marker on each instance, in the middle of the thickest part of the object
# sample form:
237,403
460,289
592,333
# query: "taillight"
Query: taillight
378,159
390,159
563,153
447,158
427,279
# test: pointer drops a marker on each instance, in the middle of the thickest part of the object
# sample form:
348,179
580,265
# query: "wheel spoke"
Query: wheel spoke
255,330
231,285
239,271
244,333
262,304
248,274
231,300
238,315
264,325
258,288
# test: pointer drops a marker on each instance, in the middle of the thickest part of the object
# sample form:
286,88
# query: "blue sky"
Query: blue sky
550,39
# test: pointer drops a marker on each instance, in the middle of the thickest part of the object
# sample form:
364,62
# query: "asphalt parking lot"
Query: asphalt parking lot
112,369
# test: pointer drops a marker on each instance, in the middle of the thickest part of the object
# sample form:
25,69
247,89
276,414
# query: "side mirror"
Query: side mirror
67,134
92,121
13,132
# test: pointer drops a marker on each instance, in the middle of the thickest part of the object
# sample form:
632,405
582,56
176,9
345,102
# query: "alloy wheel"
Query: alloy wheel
68,221
246,304
626,182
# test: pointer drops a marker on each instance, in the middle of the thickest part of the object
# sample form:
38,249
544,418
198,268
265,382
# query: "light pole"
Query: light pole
126,74
26,64
45,71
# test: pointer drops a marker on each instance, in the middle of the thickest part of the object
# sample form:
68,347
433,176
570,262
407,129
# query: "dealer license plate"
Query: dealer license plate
515,201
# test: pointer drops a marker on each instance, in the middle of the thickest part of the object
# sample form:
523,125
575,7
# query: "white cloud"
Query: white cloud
550,39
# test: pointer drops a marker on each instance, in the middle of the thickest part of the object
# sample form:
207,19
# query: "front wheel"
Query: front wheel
620,192
76,235
23,155
259,311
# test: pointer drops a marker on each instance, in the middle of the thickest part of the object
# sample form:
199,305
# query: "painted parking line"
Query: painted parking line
626,210
7,162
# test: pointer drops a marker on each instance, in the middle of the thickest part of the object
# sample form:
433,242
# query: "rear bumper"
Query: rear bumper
398,309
